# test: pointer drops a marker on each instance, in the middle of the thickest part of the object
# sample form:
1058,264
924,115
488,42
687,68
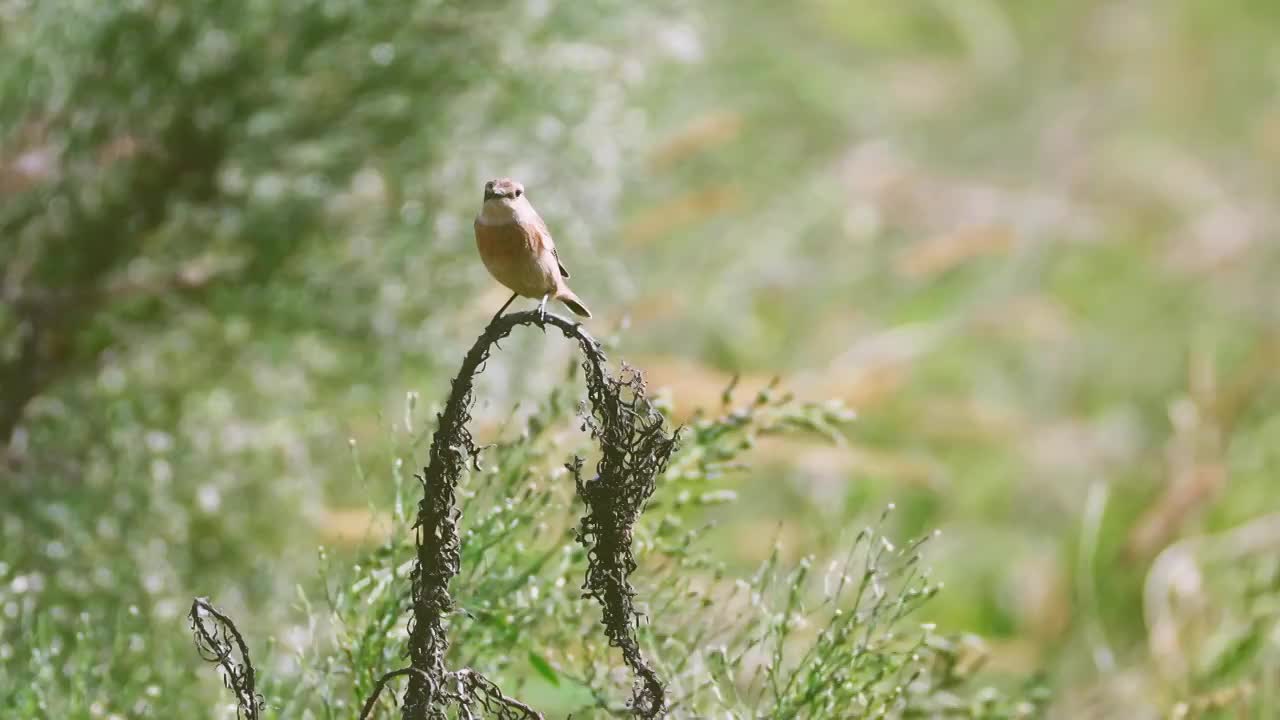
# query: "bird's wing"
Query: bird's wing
548,244
563,272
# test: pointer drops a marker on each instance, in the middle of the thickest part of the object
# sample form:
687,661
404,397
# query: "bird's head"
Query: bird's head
505,201
503,191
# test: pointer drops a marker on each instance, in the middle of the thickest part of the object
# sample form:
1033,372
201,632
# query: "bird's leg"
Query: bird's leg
542,310
505,305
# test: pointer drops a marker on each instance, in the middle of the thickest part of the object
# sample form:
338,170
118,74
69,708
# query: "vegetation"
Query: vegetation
1032,245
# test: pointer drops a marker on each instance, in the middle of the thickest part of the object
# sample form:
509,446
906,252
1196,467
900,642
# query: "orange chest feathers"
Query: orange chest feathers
513,256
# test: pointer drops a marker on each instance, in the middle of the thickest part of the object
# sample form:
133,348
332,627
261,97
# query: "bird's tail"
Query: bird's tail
572,302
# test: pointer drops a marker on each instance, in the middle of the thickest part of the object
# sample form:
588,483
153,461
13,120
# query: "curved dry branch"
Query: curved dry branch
219,645
635,446
634,451
382,683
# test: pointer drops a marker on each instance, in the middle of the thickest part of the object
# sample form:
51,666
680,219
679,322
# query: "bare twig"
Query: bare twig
377,689
219,644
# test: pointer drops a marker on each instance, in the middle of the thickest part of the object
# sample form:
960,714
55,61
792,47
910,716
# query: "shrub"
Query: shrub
779,644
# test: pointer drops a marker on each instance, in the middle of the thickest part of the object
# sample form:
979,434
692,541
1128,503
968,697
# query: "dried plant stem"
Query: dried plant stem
365,712
635,448
218,644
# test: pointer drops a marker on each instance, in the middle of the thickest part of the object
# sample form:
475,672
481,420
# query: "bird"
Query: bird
518,251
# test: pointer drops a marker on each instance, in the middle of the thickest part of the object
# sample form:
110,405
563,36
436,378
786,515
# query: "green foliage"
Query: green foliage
779,642
1030,243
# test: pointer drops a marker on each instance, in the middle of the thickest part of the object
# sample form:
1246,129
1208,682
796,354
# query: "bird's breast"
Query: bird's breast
513,256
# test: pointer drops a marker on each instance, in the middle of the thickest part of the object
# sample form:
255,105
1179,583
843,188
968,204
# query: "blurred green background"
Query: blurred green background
1032,244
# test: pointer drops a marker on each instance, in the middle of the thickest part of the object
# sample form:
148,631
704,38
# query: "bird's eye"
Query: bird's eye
519,192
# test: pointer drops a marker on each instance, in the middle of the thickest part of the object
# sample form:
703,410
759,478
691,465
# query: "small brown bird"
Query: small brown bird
516,247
